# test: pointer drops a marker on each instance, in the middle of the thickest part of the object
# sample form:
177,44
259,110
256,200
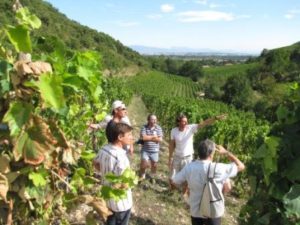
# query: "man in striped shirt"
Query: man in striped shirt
112,158
151,134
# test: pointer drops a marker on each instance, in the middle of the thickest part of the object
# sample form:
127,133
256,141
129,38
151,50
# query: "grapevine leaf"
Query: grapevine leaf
34,143
25,17
115,194
282,113
51,91
17,115
4,164
3,187
5,67
38,179
85,73
100,207
292,201
12,176
88,155
58,134
19,37
292,171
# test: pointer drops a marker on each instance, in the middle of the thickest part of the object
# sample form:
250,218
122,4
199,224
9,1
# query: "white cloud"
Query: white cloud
292,14
154,16
289,16
202,2
198,16
166,8
127,24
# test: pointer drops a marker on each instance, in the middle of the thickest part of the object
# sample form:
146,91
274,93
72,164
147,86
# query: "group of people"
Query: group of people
185,172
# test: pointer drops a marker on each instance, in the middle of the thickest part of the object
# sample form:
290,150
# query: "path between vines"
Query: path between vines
154,204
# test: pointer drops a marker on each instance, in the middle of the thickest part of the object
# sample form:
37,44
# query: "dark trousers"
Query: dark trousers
119,218
206,221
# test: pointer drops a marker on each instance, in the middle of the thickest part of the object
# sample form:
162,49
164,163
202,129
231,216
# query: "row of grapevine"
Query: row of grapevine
164,85
242,132
274,170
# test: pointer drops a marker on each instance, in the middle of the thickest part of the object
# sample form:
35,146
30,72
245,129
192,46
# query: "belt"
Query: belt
183,157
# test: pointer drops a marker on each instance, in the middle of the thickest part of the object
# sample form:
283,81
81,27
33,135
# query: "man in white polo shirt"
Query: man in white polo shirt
181,148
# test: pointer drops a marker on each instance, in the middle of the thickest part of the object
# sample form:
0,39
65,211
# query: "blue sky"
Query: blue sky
244,25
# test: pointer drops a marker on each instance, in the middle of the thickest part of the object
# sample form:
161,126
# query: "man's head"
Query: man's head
206,149
118,109
121,132
181,121
151,119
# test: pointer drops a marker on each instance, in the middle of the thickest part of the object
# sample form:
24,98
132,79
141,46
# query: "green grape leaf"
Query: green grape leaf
85,73
39,179
5,68
51,91
282,113
128,178
110,193
17,115
292,170
19,37
88,155
24,16
292,201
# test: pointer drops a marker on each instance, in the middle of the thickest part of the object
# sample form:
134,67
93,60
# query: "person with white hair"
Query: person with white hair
196,175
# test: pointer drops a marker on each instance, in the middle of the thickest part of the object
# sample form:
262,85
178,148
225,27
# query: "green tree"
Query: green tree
237,91
191,69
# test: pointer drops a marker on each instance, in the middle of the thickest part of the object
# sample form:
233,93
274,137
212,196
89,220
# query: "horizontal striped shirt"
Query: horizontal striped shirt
114,159
151,146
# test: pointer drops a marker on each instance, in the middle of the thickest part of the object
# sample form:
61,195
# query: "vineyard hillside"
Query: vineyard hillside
56,26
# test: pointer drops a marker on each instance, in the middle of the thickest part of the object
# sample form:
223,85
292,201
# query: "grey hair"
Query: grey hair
206,148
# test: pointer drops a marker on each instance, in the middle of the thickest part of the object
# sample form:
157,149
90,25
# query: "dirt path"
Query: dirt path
154,204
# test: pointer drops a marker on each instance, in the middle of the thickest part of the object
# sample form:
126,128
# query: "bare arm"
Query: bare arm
171,151
212,120
151,138
231,157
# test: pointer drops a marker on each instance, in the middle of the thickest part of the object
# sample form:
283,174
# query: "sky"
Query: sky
235,25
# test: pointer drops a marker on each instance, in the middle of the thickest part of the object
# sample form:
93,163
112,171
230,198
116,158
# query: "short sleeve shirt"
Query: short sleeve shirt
114,159
184,140
151,146
195,174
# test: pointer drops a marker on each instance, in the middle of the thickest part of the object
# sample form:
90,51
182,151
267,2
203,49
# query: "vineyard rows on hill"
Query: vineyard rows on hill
164,85
241,131
270,151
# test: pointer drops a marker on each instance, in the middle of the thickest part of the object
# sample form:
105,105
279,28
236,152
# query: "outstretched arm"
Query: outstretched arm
212,120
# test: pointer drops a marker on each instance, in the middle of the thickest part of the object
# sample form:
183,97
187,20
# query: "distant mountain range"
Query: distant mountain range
145,50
